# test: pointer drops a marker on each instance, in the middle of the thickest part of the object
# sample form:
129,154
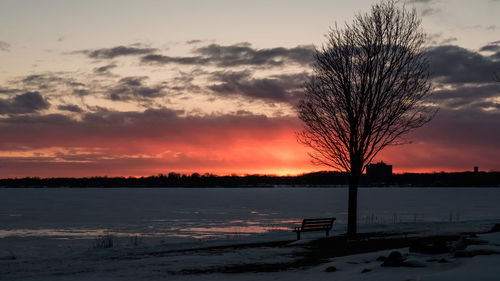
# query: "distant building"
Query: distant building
379,172
476,169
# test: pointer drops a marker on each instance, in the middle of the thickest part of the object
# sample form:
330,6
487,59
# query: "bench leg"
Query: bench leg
298,235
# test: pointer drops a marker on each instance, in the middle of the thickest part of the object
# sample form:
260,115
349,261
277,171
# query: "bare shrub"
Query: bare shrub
104,241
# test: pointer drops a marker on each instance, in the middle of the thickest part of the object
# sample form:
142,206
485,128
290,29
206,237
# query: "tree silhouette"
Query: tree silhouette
367,90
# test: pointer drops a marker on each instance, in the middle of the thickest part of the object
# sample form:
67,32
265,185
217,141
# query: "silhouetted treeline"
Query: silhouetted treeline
464,179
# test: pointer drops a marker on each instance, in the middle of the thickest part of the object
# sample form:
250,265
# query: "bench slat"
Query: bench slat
314,229
318,223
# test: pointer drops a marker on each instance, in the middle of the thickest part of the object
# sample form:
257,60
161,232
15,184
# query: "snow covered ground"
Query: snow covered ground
162,262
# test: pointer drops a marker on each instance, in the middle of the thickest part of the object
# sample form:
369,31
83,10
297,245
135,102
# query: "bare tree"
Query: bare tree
367,90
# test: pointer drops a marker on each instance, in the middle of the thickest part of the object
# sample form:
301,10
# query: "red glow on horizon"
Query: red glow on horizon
222,147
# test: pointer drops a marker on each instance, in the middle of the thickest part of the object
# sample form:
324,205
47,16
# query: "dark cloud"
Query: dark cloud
439,39
133,88
43,81
52,84
244,54
110,53
454,139
453,64
471,126
184,82
447,41
161,59
277,88
195,41
491,47
470,95
80,92
238,55
70,108
9,91
419,1
40,79
104,70
29,102
4,46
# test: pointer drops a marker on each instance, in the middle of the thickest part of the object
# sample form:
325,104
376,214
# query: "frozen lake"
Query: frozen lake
41,222
48,233
218,212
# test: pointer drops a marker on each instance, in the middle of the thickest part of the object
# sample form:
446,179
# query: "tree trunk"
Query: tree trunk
352,208
352,211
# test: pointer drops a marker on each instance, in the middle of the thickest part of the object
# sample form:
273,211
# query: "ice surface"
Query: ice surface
68,219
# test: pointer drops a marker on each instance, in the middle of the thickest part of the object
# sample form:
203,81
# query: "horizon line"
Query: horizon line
207,174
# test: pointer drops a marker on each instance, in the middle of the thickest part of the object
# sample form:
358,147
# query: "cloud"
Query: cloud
241,54
453,64
491,47
418,1
469,127
29,102
4,46
53,84
277,88
9,91
454,140
43,81
195,41
70,108
439,39
244,54
133,88
468,95
161,59
111,53
448,41
104,70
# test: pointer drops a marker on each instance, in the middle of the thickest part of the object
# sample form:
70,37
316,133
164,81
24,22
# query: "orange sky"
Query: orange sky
220,145
89,89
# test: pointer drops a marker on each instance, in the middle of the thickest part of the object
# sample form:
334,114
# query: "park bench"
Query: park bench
308,225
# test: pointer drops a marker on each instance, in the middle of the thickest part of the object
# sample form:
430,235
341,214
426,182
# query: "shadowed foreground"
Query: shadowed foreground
367,253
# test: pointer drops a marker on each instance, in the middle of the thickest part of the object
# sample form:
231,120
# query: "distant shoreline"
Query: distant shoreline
236,187
317,179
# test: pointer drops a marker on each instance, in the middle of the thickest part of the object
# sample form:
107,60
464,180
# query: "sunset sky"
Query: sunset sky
133,88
